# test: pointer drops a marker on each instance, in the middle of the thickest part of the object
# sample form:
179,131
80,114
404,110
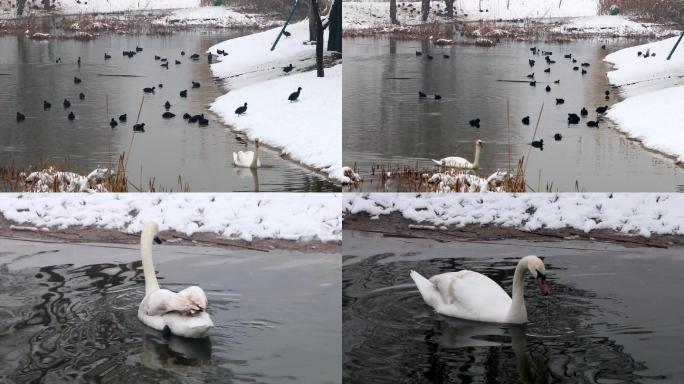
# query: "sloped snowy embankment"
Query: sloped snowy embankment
308,130
636,214
654,87
243,216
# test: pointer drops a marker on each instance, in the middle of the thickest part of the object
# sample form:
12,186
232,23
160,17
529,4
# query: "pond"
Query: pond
612,316
69,314
385,122
169,148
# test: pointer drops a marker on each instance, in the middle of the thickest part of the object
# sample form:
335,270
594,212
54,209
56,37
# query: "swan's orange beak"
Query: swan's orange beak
543,288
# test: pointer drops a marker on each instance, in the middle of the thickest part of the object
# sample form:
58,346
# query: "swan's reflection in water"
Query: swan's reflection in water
249,172
175,352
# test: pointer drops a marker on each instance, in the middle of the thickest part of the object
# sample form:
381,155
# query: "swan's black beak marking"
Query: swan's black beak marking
157,240
541,281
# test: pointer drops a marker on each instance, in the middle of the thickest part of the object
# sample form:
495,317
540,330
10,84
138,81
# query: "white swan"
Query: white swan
473,296
182,313
459,162
248,159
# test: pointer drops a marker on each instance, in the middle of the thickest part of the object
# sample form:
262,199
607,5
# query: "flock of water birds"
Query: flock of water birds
573,118
123,118
248,159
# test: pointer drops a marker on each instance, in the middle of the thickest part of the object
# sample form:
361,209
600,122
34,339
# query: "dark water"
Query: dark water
385,122
202,156
69,314
613,315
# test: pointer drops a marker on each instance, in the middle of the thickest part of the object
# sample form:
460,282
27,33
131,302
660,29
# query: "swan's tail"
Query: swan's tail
427,290
437,162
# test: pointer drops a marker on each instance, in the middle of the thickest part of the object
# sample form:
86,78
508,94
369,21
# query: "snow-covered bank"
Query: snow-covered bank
283,216
108,6
219,17
654,87
308,130
250,58
609,26
633,214
375,15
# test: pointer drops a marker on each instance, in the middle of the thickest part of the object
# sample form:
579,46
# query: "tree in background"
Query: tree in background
393,11
335,25
450,8
425,9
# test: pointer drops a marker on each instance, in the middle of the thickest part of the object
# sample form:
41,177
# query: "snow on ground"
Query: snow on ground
286,216
654,88
252,54
308,130
636,214
614,26
375,15
212,16
106,6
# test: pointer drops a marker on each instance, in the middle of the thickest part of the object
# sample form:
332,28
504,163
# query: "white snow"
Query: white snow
654,88
251,56
286,216
375,15
49,180
211,16
309,130
107,6
628,213
614,26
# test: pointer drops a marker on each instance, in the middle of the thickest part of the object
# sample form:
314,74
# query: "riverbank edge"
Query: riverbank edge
396,225
90,234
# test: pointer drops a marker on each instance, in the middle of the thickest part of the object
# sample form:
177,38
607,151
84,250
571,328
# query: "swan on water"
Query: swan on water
181,314
248,159
473,296
459,162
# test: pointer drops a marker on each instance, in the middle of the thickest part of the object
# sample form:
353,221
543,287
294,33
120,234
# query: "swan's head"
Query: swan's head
256,142
479,144
537,269
152,228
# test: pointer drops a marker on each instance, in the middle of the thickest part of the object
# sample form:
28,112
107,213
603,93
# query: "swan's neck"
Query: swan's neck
476,162
518,313
148,266
255,158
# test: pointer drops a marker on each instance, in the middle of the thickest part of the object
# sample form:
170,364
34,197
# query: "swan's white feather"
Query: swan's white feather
244,159
180,325
454,162
465,294
163,301
183,312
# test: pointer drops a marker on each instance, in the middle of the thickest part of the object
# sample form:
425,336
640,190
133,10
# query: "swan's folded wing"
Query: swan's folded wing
164,301
195,295
473,293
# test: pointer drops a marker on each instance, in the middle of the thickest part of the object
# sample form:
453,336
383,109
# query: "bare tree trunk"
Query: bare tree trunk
393,11
335,27
425,9
450,8
313,11
319,39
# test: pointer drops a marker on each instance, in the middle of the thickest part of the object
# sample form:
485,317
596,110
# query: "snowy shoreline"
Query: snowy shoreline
297,217
308,131
653,88
572,19
636,214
